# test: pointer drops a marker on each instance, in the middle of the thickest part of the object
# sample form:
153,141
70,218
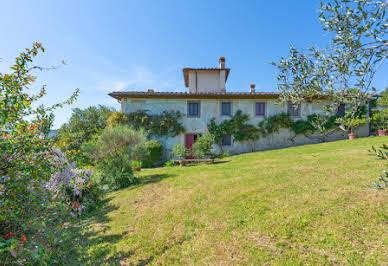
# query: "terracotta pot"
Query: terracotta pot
352,135
137,168
381,132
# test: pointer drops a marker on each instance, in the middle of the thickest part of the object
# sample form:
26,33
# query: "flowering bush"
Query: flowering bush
31,216
73,185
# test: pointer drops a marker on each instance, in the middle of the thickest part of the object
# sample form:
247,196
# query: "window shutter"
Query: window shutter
260,108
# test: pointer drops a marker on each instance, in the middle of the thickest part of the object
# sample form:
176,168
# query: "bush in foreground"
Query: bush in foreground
111,155
154,153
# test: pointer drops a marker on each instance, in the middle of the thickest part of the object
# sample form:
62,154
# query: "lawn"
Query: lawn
313,204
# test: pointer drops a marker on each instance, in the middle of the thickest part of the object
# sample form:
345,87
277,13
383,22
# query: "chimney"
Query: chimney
252,87
221,63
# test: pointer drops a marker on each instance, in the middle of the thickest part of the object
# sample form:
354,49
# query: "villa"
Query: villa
207,98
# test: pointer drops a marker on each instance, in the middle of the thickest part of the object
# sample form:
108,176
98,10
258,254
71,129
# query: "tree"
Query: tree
342,72
83,125
44,120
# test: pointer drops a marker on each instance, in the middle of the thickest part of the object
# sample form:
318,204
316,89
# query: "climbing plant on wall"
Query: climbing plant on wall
241,130
165,124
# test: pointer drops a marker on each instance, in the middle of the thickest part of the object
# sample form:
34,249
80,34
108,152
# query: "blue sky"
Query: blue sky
139,45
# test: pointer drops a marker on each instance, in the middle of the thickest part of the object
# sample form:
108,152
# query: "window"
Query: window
260,109
193,109
226,108
341,110
292,111
227,140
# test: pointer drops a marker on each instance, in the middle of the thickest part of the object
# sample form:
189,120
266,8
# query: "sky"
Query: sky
139,45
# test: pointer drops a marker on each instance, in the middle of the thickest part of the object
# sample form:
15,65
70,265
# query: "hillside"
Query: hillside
311,204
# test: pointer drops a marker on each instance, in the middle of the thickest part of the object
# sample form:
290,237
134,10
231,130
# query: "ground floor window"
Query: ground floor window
227,140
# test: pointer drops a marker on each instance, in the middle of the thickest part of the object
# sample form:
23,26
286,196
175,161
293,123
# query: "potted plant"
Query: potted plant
380,122
349,124
136,165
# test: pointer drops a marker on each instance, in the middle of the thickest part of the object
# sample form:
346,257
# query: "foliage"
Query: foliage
164,124
44,120
116,140
220,130
83,126
381,153
136,164
75,184
114,171
383,99
380,117
237,126
154,153
31,216
179,151
117,118
352,119
379,120
303,126
343,72
138,152
111,156
274,123
242,131
203,145
169,163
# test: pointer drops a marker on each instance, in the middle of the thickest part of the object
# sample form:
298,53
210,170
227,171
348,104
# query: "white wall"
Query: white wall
206,81
212,108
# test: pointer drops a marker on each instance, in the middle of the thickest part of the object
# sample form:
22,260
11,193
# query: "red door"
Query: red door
189,144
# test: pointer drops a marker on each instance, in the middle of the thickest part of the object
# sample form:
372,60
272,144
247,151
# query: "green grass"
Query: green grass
313,204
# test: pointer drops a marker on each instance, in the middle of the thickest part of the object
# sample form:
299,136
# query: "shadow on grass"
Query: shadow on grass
88,242
87,246
221,162
150,179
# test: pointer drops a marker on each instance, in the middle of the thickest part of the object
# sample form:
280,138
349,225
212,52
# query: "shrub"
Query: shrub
169,163
116,140
114,172
381,153
154,153
202,147
111,155
179,151
138,152
31,216
117,118
74,184
136,165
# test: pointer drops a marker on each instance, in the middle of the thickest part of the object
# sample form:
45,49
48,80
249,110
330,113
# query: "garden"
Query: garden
105,190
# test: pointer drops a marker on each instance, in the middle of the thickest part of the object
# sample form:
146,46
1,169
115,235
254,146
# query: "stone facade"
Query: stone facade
210,108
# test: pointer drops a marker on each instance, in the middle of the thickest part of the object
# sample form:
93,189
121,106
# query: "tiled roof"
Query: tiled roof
186,71
213,95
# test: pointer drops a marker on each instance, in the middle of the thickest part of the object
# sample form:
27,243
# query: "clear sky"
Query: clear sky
139,45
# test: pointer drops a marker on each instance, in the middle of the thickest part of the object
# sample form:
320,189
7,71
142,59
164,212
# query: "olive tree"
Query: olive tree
344,70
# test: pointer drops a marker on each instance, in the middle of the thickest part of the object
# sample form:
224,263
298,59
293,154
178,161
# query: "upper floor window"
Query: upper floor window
260,108
341,110
193,109
292,109
226,108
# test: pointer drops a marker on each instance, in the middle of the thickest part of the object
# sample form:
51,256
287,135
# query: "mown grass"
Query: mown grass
313,204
